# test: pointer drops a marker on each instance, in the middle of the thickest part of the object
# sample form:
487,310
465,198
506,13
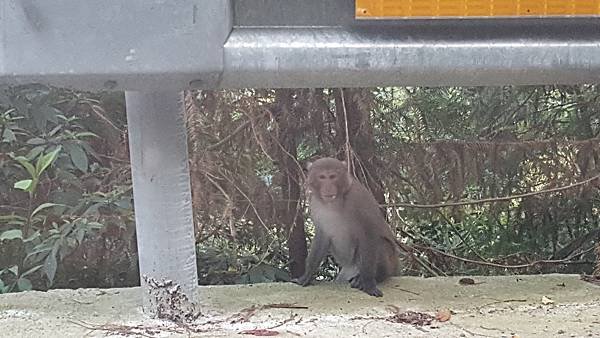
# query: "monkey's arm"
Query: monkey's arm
318,250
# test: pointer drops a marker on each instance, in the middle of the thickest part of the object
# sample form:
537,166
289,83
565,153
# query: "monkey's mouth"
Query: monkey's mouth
328,198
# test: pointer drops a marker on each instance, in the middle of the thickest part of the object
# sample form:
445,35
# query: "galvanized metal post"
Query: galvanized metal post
161,190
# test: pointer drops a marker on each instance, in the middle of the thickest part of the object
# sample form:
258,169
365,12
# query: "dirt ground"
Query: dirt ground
506,306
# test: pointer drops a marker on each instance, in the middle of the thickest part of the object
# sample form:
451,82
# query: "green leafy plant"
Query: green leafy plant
48,134
8,126
30,185
59,242
19,281
48,250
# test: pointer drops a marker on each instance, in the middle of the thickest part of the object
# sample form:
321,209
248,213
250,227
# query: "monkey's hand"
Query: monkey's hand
367,285
304,280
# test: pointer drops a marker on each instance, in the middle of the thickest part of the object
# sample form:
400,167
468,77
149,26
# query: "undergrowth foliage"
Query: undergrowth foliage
66,215
411,145
61,194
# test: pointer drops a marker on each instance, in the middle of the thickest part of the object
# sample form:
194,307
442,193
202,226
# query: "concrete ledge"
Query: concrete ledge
494,307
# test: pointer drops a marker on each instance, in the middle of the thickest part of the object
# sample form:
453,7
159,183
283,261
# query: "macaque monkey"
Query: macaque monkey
350,227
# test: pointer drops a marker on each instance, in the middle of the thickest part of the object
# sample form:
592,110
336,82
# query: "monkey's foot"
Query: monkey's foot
367,286
303,280
374,291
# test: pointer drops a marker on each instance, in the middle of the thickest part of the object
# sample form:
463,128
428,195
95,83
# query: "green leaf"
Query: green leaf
95,225
124,203
35,152
8,136
44,206
79,235
12,218
14,269
24,284
66,228
55,130
78,157
32,237
36,141
27,165
40,248
93,209
32,270
11,234
24,185
50,265
89,150
86,134
46,160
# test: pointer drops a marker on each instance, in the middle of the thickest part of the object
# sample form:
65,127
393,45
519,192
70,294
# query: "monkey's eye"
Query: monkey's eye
332,176
322,177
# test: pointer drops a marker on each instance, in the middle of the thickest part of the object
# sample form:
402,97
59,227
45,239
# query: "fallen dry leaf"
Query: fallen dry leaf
443,315
412,317
547,301
260,332
466,281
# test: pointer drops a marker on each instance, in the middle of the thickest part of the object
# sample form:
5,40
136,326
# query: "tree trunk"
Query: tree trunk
290,209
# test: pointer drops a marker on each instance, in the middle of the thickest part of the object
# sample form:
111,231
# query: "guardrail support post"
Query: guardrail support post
161,190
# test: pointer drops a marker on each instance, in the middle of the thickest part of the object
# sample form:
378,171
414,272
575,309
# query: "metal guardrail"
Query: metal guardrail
474,54
152,45
113,44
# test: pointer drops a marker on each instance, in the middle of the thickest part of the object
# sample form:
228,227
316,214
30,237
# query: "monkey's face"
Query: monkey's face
328,180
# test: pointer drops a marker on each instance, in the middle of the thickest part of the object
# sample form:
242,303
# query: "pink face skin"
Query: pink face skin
328,179
328,183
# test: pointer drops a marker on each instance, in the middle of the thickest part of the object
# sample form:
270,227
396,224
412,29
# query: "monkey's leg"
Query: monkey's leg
388,262
318,250
346,274
365,280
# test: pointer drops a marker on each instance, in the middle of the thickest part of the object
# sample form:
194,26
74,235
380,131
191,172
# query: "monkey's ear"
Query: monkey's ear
344,163
308,165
